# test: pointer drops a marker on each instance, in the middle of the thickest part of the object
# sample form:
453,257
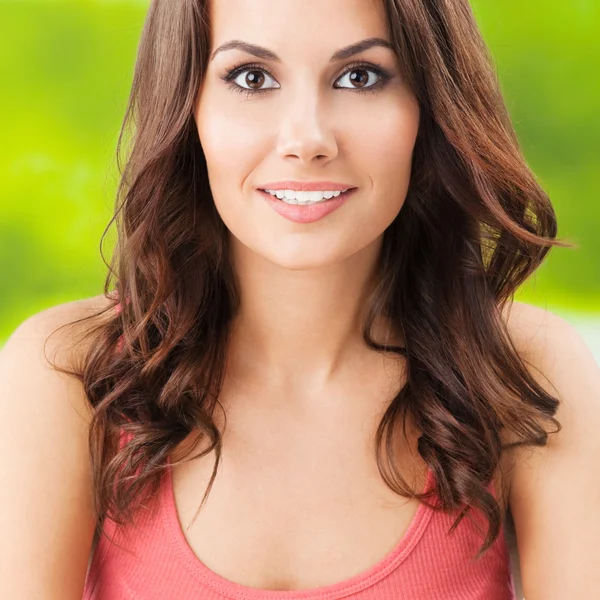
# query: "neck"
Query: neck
299,328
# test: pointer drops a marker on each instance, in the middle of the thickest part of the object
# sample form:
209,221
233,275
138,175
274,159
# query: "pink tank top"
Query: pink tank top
151,560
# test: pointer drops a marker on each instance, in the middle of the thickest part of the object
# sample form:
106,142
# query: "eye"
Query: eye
254,78
362,76
249,79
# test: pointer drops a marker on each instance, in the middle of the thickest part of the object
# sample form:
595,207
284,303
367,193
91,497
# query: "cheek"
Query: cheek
229,130
227,144
386,147
231,146
383,145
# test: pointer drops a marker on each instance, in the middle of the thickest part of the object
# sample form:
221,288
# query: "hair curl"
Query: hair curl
475,225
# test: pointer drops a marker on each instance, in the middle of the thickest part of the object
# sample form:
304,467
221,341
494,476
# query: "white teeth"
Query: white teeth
304,198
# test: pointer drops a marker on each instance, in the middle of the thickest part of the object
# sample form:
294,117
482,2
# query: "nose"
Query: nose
305,131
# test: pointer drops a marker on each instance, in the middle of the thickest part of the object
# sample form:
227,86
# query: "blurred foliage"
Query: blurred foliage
66,70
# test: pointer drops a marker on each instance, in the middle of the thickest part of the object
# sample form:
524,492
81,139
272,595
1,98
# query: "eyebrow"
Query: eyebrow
266,54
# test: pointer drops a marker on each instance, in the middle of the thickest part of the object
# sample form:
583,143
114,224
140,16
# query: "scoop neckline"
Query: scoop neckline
333,591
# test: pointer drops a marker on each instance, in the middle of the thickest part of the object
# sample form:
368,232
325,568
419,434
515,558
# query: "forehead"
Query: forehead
294,22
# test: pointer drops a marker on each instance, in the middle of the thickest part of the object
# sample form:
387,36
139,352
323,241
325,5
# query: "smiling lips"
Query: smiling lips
306,206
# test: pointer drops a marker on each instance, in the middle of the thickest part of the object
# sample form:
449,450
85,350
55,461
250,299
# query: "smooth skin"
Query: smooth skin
554,494
46,519
297,338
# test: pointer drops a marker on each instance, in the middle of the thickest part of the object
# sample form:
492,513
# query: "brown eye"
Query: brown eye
359,77
255,79
251,79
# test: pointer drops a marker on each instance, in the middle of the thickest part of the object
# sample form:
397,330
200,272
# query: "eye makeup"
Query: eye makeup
381,72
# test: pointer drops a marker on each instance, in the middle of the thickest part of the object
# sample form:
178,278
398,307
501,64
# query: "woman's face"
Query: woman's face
295,114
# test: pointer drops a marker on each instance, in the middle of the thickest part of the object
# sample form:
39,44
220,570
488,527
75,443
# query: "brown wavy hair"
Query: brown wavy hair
475,225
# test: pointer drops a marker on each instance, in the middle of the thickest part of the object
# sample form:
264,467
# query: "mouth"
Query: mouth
305,207
298,198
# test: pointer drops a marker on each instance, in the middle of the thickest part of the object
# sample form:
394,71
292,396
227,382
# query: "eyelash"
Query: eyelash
381,72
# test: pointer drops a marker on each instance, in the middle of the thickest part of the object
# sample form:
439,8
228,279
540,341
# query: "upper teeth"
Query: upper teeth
297,197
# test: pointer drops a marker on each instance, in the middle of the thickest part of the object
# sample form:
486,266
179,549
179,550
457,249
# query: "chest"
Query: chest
298,505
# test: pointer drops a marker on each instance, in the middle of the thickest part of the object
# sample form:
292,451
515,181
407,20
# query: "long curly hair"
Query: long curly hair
475,225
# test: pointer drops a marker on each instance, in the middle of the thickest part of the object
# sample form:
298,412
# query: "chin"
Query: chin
299,263
298,260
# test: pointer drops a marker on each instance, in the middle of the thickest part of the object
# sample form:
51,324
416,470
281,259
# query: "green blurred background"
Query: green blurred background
66,69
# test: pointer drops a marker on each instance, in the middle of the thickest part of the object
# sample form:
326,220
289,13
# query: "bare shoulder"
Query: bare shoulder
63,328
555,489
558,358
535,330
44,461
527,327
55,335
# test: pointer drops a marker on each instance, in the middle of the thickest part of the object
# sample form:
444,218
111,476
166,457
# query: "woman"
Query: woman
311,380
